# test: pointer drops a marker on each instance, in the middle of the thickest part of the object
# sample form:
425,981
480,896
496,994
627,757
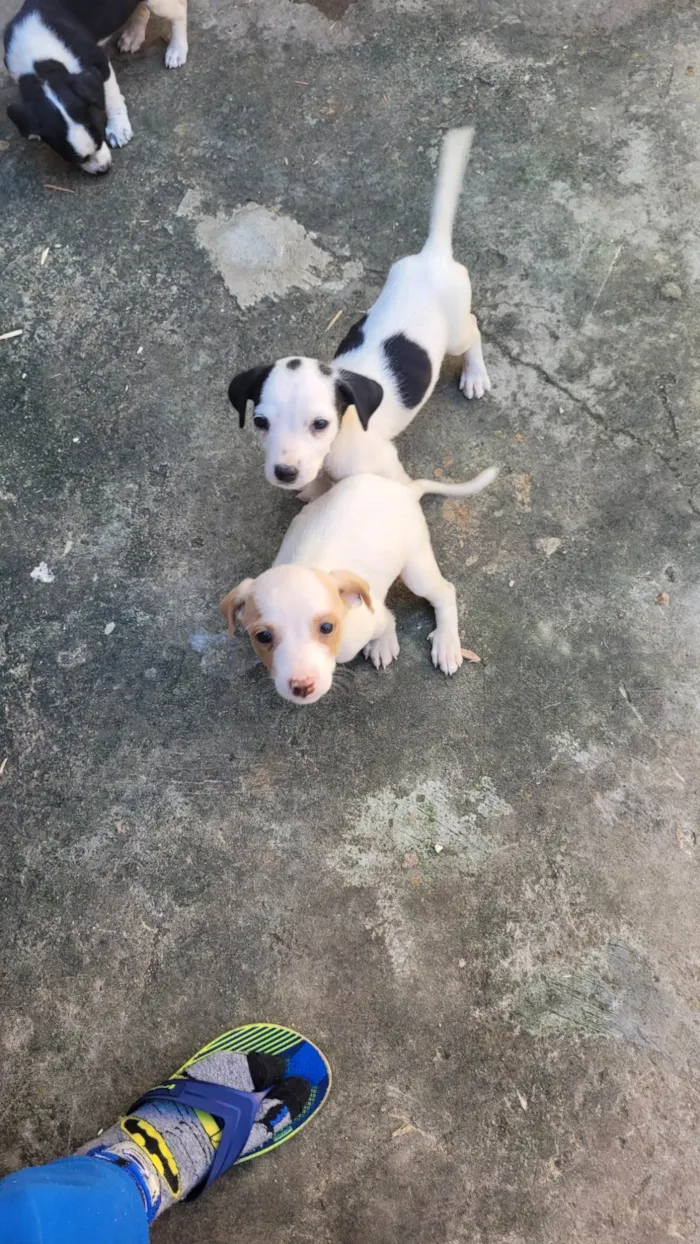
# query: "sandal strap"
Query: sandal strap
234,1109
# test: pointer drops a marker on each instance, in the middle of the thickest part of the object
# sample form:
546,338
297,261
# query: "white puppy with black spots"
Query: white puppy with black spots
386,367
69,93
322,600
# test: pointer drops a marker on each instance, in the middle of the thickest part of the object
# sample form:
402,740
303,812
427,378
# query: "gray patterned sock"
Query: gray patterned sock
169,1148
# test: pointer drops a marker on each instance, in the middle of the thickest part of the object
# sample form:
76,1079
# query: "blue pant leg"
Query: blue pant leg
79,1200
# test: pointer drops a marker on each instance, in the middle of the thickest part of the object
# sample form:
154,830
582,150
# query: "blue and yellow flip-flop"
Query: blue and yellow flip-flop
228,1114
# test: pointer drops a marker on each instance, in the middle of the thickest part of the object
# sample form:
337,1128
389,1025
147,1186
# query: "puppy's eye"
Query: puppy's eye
326,628
264,638
319,425
259,421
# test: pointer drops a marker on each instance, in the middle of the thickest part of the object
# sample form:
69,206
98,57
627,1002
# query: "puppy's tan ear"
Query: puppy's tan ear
232,604
354,590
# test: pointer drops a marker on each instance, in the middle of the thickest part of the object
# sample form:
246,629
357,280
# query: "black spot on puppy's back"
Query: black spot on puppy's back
325,370
353,338
411,368
292,364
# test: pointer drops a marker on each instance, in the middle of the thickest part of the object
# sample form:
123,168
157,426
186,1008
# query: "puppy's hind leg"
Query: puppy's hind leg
422,576
474,381
175,11
135,30
383,647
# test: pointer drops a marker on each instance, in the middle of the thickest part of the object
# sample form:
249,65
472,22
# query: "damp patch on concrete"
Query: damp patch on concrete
393,840
387,826
262,254
203,640
612,992
565,745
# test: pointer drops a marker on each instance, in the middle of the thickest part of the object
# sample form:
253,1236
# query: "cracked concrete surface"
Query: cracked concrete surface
512,1021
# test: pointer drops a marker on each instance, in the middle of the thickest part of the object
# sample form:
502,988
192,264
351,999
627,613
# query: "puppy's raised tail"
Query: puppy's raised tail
454,156
423,487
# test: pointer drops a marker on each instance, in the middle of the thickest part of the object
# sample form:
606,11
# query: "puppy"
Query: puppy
67,85
322,601
389,362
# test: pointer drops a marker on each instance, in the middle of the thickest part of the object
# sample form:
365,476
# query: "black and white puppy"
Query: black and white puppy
386,367
53,51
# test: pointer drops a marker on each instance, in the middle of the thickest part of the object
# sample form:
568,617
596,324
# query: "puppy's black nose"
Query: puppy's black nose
286,474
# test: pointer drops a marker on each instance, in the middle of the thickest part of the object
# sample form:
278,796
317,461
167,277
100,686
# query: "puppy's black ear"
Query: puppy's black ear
247,387
25,120
358,391
89,86
46,70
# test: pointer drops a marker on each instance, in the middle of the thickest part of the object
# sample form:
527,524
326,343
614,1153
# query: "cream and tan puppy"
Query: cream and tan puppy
322,600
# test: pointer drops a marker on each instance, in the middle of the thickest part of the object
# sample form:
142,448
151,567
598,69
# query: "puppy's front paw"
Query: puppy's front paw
474,381
446,650
132,39
118,131
381,652
315,489
175,54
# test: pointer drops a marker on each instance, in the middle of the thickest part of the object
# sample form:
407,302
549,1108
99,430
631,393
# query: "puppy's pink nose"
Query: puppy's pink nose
301,687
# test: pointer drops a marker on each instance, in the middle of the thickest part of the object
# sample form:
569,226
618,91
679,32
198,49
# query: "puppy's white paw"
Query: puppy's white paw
381,652
446,650
474,381
175,54
118,131
132,40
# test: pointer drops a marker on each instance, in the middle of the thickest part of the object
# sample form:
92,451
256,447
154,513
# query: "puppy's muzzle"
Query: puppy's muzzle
286,474
302,688
100,162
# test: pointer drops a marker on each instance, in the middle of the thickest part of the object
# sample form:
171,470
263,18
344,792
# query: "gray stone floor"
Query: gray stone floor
513,1024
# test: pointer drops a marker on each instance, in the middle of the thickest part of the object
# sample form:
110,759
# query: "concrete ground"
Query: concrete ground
513,1023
